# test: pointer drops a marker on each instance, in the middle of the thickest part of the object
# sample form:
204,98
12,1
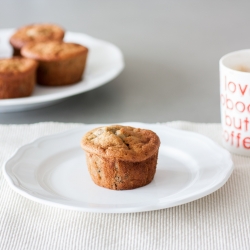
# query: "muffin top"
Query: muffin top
54,50
124,142
36,33
16,65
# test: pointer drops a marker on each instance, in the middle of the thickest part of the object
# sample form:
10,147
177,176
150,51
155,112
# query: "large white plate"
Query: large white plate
104,63
52,170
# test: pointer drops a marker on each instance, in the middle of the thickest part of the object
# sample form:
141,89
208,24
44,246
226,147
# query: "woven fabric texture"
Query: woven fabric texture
218,221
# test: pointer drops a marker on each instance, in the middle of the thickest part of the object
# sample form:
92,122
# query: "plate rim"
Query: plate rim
157,206
4,103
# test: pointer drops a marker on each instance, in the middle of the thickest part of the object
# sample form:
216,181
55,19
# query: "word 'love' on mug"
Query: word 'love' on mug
235,101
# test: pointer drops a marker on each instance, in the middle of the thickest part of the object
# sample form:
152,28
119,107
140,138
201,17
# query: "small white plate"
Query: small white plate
104,63
52,170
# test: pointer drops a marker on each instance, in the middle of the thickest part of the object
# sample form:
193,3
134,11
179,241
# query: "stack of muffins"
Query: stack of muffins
40,55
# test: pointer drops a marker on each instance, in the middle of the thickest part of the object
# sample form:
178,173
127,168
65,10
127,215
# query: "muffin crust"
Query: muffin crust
35,33
121,157
53,50
124,142
60,63
16,65
17,77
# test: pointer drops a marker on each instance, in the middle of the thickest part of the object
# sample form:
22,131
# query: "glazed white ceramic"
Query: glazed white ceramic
104,63
52,170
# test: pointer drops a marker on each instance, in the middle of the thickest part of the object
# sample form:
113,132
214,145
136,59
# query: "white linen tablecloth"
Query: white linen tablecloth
218,221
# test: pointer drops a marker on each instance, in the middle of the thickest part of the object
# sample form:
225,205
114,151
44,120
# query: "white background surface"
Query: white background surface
171,49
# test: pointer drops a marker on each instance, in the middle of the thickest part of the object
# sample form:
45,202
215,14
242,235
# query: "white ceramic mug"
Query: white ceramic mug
235,101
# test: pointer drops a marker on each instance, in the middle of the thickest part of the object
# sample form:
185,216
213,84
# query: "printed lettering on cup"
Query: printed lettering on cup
236,114
235,101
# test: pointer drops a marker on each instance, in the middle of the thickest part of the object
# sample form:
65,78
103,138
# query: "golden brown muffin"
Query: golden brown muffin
60,63
35,33
121,157
17,77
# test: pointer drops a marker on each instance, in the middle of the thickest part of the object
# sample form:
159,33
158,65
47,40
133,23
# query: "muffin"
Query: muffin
17,77
60,63
35,33
121,157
